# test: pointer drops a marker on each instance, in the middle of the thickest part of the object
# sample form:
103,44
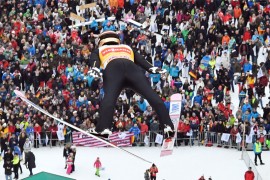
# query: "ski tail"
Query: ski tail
22,96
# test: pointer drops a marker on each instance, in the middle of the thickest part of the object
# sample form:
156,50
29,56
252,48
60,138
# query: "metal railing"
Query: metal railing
48,138
207,138
193,138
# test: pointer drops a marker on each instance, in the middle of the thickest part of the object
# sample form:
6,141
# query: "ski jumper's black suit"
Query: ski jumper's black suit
121,69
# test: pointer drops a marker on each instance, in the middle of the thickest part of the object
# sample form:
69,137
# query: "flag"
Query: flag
159,139
39,138
60,135
80,139
47,139
192,74
238,138
146,140
249,138
225,137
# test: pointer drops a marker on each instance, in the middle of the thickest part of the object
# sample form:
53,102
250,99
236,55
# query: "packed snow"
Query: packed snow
186,163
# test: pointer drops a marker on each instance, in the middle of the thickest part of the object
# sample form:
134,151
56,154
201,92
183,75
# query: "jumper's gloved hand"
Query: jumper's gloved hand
95,72
157,70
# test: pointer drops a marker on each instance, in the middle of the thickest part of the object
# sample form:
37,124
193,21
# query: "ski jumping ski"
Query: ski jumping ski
22,96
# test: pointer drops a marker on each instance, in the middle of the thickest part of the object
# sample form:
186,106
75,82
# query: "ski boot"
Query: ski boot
168,132
103,135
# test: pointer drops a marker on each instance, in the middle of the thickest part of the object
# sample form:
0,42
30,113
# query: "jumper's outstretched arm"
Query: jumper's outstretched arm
140,61
94,59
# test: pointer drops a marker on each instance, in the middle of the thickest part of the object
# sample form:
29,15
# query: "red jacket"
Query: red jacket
37,129
246,36
97,164
249,175
144,128
121,3
64,79
183,127
11,129
153,171
53,129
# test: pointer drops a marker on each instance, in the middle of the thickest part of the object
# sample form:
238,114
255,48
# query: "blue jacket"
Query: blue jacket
167,105
131,2
247,67
198,99
142,106
58,27
155,77
178,84
242,95
60,50
246,117
109,28
32,50
89,80
250,3
157,63
246,107
254,114
94,25
4,76
163,54
160,10
135,130
174,70
181,41
17,150
166,67
41,2
29,130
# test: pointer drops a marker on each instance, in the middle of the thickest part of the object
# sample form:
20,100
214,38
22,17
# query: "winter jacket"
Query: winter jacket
245,107
27,146
198,99
153,171
17,150
249,175
97,164
257,147
30,160
174,71
8,168
247,67
142,105
135,130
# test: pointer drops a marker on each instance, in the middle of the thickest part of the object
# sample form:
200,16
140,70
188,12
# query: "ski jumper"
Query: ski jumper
122,69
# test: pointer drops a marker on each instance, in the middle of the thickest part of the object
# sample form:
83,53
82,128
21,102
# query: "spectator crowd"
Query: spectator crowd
211,49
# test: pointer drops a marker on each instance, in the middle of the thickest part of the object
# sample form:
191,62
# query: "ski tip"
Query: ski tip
19,94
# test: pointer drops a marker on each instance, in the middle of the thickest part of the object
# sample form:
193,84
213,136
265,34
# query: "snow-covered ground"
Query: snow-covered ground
186,163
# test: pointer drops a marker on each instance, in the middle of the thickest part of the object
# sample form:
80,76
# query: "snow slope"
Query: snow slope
186,163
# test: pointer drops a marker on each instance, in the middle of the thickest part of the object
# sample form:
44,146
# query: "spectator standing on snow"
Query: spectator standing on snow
146,175
16,162
257,148
97,165
153,172
69,163
30,161
249,174
8,169
66,152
